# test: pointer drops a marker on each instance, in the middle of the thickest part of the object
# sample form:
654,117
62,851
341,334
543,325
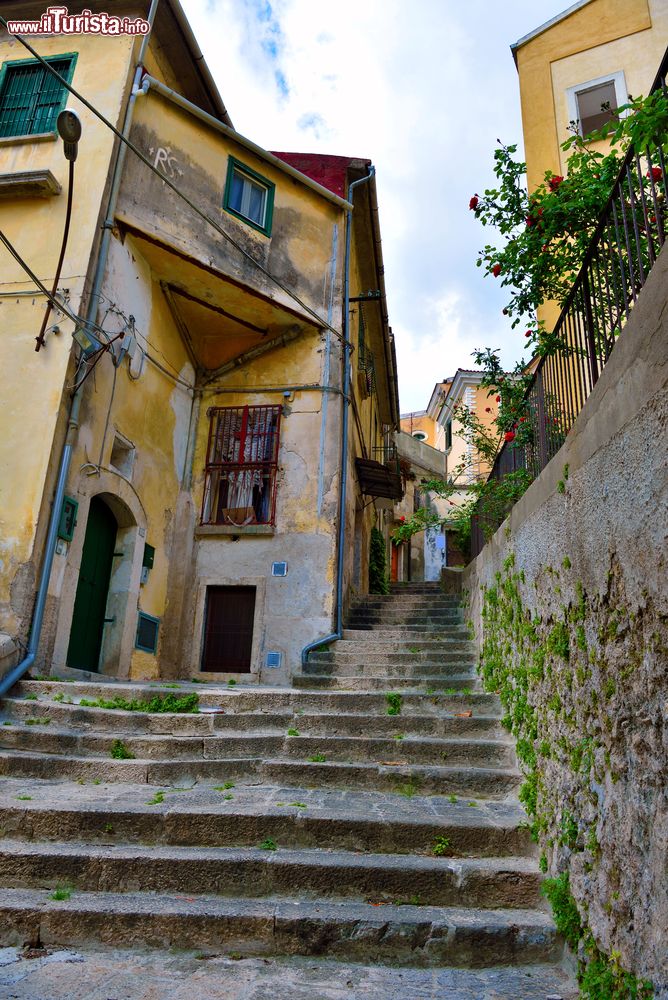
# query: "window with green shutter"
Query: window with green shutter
30,97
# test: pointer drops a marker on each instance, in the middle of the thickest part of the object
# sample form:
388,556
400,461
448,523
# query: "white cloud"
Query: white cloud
423,89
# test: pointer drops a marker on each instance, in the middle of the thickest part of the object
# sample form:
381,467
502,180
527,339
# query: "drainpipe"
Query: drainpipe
14,675
343,482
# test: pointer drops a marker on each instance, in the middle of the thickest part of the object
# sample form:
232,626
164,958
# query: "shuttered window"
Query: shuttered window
31,98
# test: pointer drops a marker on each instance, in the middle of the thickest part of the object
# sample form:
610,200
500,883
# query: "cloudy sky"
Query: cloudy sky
423,88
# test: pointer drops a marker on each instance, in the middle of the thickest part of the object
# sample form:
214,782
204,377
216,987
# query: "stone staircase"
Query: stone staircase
286,822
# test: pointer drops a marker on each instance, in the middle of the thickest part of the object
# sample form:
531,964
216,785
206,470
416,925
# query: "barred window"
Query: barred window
30,97
241,465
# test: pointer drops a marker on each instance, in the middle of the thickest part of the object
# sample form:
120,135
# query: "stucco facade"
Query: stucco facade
591,43
212,316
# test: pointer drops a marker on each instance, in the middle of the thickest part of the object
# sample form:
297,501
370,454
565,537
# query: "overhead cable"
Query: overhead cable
166,180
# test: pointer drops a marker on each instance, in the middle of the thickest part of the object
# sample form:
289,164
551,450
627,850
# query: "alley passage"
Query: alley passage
368,815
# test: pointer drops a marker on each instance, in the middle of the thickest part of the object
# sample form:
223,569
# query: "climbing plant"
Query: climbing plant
544,235
378,581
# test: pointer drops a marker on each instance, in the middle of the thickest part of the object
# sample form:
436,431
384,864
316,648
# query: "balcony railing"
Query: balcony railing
626,242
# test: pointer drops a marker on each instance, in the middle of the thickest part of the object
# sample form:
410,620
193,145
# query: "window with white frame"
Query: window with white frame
249,196
594,103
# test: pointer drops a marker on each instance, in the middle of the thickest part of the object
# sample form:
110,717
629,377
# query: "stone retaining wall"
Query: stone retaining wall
569,602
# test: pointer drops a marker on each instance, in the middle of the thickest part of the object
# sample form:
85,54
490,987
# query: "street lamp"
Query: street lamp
69,129
68,124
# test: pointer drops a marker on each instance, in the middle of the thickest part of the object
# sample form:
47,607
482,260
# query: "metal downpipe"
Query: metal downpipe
17,672
343,486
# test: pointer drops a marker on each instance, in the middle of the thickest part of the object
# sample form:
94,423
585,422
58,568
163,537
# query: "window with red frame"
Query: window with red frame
241,465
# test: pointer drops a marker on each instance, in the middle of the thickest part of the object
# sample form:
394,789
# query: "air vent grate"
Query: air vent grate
274,659
279,569
147,633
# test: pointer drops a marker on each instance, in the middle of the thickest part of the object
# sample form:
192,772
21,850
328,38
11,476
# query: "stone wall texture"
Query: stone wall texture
569,601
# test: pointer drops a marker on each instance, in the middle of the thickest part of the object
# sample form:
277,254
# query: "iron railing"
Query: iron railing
625,244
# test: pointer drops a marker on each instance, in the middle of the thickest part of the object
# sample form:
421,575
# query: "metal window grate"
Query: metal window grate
147,632
242,462
30,97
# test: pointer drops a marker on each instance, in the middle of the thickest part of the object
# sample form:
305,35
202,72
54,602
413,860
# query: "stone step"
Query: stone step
70,717
487,883
404,635
349,652
414,935
377,642
408,630
418,602
425,750
202,816
240,700
351,666
194,974
397,776
429,683
437,619
394,663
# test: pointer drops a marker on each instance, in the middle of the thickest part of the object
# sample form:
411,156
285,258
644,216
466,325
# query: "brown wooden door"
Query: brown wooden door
228,629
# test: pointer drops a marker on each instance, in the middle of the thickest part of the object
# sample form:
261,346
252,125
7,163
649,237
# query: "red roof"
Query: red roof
329,171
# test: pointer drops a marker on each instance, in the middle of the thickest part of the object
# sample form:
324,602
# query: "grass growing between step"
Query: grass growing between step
62,892
442,847
119,751
183,705
394,702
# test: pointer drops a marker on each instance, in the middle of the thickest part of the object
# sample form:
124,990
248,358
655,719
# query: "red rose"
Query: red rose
555,181
529,220
505,312
655,173
528,333
509,436
498,399
496,270
473,204
402,519
544,247
522,419
488,409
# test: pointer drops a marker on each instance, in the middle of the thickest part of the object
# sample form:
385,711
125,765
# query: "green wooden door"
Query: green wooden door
89,606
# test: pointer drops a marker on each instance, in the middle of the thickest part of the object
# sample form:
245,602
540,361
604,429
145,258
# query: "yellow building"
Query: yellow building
191,443
596,52
575,70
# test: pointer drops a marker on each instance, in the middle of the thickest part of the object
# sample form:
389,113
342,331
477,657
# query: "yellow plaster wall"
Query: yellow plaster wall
299,248
32,396
602,37
420,422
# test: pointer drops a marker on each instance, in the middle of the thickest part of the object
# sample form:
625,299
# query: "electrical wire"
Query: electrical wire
78,321
166,180
113,308
56,303
63,246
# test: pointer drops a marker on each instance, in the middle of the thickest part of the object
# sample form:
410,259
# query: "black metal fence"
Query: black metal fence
628,238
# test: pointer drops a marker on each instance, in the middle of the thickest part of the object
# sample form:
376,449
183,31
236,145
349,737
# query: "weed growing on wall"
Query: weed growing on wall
560,696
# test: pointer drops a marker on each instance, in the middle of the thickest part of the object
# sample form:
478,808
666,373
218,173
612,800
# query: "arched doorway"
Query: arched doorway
90,604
